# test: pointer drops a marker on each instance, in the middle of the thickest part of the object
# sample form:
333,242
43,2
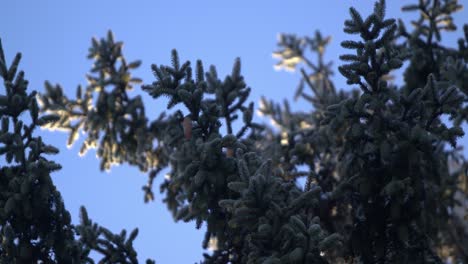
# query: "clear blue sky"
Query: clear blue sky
54,36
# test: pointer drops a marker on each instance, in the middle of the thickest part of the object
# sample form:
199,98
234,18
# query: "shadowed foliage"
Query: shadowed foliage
385,180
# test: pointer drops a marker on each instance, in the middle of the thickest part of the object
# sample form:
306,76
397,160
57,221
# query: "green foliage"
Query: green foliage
35,227
33,220
380,161
208,184
389,142
114,248
116,121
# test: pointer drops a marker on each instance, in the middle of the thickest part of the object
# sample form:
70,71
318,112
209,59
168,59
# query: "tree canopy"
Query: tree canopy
385,180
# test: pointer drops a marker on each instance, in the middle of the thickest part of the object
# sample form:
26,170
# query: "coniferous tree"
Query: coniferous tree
381,160
35,227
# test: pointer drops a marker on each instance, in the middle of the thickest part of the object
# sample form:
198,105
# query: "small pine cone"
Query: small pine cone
187,125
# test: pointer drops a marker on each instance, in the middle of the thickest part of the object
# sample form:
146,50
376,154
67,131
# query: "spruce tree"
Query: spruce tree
35,227
381,163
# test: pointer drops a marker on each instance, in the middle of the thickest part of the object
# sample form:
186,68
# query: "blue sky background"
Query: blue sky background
54,36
